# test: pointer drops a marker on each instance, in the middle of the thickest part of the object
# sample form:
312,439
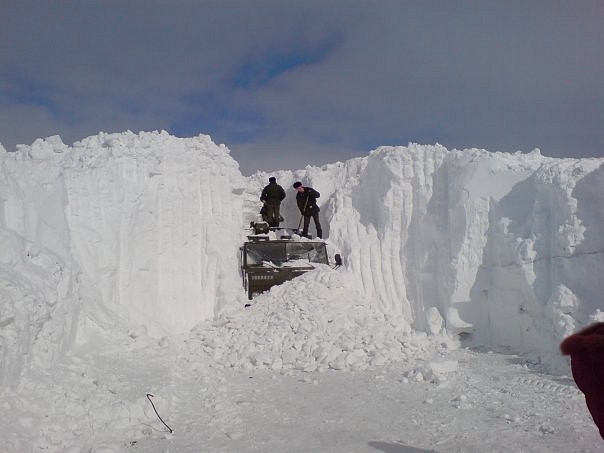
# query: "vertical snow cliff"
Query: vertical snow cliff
141,231
507,249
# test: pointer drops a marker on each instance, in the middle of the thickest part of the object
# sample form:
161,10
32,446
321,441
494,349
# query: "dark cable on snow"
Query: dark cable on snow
149,395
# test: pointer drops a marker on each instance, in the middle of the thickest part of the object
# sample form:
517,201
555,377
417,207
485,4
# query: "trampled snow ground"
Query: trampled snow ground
433,395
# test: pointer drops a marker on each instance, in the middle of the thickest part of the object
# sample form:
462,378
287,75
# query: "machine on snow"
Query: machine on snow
266,262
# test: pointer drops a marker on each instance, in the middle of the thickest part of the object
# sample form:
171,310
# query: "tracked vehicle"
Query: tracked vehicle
266,262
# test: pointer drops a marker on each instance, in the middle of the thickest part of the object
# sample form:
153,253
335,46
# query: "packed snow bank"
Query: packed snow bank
140,233
503,249
506,248
39,296
155,224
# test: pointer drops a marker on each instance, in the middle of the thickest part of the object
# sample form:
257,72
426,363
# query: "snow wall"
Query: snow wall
142,231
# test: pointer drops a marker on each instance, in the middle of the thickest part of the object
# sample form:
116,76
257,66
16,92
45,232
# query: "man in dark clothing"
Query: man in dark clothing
271,196
307,204
586,350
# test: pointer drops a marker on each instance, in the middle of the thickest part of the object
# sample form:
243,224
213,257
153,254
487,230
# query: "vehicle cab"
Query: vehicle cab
266,262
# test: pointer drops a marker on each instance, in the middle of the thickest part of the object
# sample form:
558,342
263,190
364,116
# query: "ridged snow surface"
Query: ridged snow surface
141,233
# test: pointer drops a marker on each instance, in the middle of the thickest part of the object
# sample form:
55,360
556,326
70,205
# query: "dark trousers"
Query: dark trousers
315,217
273,214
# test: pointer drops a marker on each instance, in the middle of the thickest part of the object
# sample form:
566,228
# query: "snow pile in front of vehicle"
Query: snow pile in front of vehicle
312,323
293,263
298,263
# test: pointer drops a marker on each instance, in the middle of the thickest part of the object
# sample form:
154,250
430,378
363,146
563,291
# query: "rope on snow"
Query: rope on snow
149,395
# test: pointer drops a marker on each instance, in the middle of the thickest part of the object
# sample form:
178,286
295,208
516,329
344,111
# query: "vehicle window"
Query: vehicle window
258,252
309,251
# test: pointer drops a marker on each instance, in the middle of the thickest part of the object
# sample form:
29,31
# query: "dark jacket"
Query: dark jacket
307,201
586,350
272,194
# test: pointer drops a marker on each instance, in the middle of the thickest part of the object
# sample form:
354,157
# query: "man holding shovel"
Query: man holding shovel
307,203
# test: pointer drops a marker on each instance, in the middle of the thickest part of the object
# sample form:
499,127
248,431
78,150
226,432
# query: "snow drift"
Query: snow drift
140,233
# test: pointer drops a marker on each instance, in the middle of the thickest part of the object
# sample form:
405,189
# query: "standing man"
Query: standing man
271,196
307,204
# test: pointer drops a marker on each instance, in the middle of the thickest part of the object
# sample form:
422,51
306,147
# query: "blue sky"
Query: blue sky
285,84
